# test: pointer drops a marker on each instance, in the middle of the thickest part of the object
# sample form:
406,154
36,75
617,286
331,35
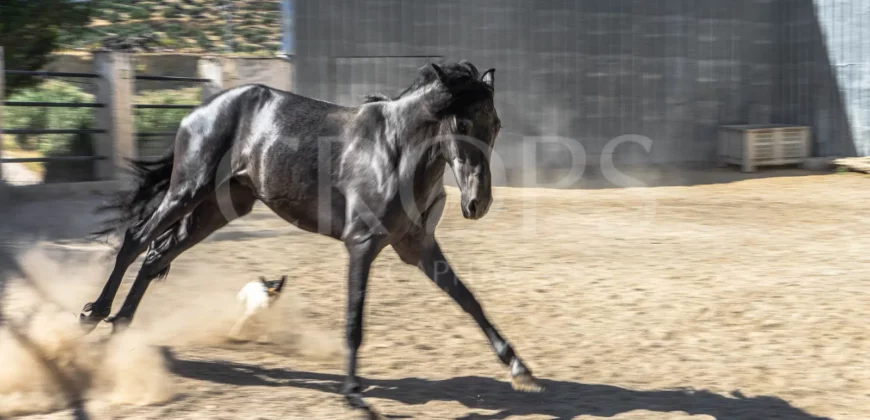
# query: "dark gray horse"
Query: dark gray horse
370,176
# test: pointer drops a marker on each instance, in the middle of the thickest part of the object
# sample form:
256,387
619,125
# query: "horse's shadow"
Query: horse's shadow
561,400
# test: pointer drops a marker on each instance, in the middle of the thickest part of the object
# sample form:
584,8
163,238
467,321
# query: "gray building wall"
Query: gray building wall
825,74
591,70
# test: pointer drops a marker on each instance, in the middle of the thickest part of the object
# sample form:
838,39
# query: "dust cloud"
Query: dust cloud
48,363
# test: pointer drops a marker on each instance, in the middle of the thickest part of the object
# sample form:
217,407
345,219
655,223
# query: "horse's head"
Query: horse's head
468,125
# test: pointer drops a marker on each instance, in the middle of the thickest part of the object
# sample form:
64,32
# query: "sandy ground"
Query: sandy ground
746,300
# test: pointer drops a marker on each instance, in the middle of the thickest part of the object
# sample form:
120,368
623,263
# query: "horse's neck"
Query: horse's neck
417,131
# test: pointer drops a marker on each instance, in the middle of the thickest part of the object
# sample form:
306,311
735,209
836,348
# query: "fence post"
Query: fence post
210,68
115,91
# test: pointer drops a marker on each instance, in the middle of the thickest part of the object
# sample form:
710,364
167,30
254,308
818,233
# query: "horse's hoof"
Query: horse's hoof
118,324
88,319
375,415
87,323
356,402
525,382
369,413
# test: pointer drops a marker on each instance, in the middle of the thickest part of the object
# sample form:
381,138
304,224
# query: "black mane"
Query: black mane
461,79
376,97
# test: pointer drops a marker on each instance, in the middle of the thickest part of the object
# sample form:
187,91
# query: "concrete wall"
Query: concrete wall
825,73
591,70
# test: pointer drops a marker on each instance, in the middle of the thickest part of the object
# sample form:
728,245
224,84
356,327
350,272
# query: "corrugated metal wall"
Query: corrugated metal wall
593,70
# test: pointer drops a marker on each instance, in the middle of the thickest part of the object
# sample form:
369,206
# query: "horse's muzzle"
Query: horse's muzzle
474,208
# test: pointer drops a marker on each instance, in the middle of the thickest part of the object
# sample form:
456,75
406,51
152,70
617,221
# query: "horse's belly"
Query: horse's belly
306,215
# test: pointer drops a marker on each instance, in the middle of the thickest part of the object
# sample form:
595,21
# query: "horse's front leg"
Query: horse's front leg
431,260
362,252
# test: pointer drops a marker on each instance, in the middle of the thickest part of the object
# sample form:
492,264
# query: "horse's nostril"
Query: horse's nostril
472,206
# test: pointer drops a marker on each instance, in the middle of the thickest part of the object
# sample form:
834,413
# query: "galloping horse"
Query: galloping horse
370,176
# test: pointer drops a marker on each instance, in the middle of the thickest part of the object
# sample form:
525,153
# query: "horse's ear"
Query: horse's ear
283,278
489,78
263,279
439,72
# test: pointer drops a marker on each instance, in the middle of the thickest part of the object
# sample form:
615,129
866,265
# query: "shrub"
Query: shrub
42,118
139,13
204,42
248,48
171,13
255,38
72,171
167,42
160,120
270,19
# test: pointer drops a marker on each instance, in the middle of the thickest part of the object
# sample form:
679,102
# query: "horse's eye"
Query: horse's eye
463,127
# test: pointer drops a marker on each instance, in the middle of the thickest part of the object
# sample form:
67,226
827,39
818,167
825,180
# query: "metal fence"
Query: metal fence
23,178
165,137
27,131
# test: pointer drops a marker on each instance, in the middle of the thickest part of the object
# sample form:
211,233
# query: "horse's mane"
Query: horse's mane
462,80
376,97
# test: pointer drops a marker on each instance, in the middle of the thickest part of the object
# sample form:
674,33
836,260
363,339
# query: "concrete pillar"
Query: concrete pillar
115,91
277,73
210,68
230,72
285,74
273,72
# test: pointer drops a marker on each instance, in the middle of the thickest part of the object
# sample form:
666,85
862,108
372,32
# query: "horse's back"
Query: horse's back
211,129
278,151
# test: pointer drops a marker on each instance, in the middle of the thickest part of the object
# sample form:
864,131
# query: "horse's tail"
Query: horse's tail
134,206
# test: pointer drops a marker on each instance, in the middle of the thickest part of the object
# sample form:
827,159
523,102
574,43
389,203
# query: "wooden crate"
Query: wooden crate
751,146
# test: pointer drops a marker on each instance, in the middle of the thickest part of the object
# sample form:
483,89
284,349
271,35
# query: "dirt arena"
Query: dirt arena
744,300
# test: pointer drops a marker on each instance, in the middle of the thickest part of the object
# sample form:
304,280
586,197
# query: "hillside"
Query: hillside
241,26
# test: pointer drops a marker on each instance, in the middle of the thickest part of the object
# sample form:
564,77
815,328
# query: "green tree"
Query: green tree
29,31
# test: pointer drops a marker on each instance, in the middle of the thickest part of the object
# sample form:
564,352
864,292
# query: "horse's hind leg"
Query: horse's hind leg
180,199
96,311
192,229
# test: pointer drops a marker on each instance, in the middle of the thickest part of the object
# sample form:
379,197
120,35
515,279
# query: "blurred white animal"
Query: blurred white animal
257,297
